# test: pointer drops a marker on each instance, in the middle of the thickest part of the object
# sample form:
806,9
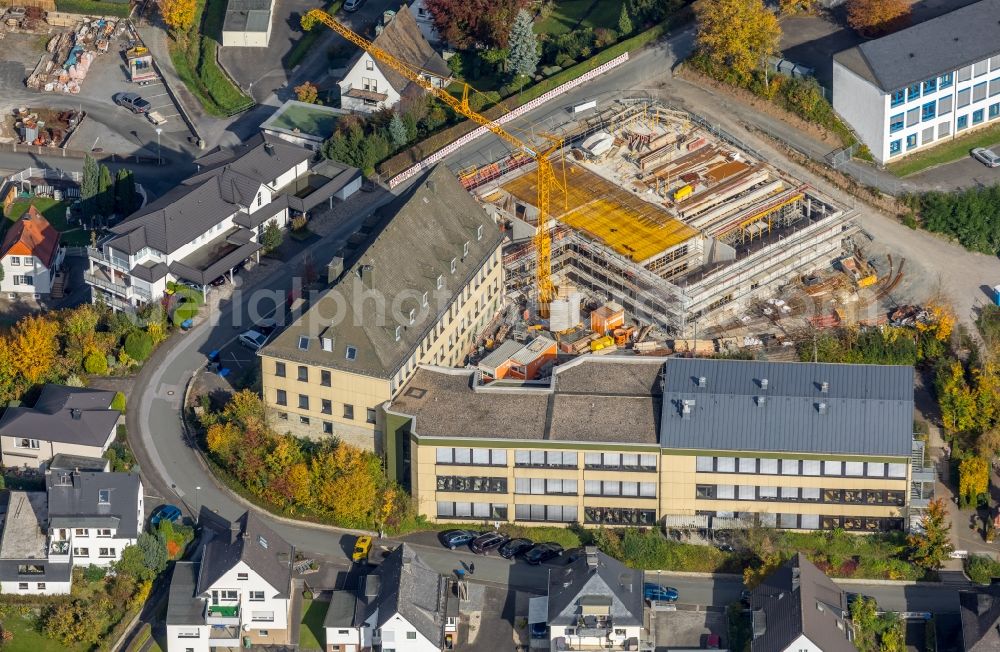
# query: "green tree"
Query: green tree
397,131
929,549
76,621
118,402
272,237
523,44
105,193
138,345
864,620
624,21
89,186
96,363
125,195
409,122
736,36
144,560
955,398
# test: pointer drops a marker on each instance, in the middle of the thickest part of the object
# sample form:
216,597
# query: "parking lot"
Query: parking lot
687,629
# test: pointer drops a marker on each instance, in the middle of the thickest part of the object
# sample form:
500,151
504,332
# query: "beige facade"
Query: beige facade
35,452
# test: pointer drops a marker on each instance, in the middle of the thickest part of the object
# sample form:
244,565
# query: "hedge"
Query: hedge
94,8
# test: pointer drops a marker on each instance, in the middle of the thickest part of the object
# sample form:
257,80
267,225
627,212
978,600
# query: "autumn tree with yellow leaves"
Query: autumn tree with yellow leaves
178,14
736,36
973,480
877,17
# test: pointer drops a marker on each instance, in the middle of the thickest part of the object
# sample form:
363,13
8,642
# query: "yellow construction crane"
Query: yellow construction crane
546,173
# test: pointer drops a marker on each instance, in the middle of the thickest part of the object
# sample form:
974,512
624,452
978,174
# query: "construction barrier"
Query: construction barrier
507,117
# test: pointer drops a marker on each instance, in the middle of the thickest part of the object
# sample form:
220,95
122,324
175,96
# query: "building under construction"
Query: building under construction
680,225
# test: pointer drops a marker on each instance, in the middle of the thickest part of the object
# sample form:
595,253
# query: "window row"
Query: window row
551,513
619,516
546,459
472,456
472,484
492,511
617,488
800,494
620,461
768,466
927,87
101,552
325,378
814,521
539,486
23,586
325,407
927,135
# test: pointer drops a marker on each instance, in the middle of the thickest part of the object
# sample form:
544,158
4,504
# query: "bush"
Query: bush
138,345
981,569
118,402
94,573
96,363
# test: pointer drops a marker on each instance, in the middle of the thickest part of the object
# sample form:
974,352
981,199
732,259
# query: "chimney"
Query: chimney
591,553
366,273
269,148
686,406
76,414
761,400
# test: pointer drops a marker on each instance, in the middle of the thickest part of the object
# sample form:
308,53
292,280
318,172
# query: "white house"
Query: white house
799,609
81,519
923,85
72,421
238,594
594,602
424,21
212,222
30,255
403,605
371,85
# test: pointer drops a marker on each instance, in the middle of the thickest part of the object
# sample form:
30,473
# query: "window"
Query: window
965,74
929,111
911,141
40,586
479,232
789,467
327,428
326,406
104,533
854,468
440,282
281,397
945,81
103,496
303,343
303,373
16,261
279,369
897,98
748,465
769,466
725,464
105,552
326,343
963,98
369,84
704,491
27,443
913,92
876,470
304,420
324,378
542,459
423,300
411,636
977,116
896,123
833,468
979,92
369,64
81,532
242,576
352,353
255,596
262,617
399,332
454,265
994,110
260,199
930,86
303,402
897,470
913,116
370,415
811,467
283,416
981,68
704,463
22,586
348,411
944,105
81,552
995,87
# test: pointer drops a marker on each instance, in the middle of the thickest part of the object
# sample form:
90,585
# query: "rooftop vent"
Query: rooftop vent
821,408
761,400
76,414
763,383
686,407
702,381
269,148
824,387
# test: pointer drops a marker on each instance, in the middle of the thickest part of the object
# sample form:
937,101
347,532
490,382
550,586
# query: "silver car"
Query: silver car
252,339
987,157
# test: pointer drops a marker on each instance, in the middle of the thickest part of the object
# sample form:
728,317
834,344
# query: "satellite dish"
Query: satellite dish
246,627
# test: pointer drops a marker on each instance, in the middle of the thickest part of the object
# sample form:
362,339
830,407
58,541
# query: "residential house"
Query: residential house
594,603
64,420
980,611
924,85
371,85
238,595
420,291
403,605
688,443
213,221
799,609
82,518
30,256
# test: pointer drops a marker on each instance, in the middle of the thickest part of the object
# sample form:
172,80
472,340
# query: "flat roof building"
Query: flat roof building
247,23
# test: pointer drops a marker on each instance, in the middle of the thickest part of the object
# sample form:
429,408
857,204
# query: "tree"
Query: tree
144,560
105,192
523,44
138,345
973,479
466,23
652,11
877,17
178,14
307,92
118,402
754,575
956,400
35,348
272,237
346,481
736,36
89,185
76,621
624,22
96,364
307,22
864,620
929,549
397,131
786,7
125,195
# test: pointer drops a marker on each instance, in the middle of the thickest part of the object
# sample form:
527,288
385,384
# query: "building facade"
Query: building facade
924,85
29,256
634,441
419,293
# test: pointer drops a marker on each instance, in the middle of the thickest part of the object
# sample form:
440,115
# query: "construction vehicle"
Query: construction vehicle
547,180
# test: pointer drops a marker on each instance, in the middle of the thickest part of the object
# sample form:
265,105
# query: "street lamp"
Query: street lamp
158,132
197,500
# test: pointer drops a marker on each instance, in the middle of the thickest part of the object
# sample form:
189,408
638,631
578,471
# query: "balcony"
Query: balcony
222,614
59,548
103,282
119,263
224,636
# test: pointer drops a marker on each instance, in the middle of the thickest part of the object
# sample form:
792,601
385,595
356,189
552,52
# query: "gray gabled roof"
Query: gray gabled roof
73,501
247,15
595,577
341,611
943,44
980,611
403,39
184,606
71,415
409,587
865,410
249,540
423,231
798,599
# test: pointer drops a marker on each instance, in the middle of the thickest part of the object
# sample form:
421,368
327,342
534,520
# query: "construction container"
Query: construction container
867,281
607,318
683,192
601,343
622,335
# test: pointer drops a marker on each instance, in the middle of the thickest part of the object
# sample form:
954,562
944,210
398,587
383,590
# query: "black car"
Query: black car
455,538
132,102
542,552
482,545
515,547
539,630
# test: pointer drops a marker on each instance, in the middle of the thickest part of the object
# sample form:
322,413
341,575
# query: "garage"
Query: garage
247,23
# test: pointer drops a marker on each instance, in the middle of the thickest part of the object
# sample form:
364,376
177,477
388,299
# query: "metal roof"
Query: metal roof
499,355
785,407
943,44
247,16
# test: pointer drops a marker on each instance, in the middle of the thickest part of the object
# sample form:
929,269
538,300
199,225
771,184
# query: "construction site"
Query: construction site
688,232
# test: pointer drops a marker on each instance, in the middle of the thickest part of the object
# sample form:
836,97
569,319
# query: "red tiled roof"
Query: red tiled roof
32,235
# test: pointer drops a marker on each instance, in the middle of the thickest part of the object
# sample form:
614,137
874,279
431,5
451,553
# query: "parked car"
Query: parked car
987,157
353,5
515,547
164,513
455,538
658,593
482,545
253,339
542,552
266,325
539,630
362,546
133,102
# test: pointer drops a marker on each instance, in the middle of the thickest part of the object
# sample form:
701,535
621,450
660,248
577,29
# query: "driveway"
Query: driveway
966,172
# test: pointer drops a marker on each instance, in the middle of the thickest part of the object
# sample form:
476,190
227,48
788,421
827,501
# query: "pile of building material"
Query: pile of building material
70,55
43,127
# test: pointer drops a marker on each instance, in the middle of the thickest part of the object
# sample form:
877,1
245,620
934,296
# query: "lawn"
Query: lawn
315,121
571,14
311,632
55,212
948,152
94,7
27,637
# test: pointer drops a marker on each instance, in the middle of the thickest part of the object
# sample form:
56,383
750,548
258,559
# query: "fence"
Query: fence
58,152
507,117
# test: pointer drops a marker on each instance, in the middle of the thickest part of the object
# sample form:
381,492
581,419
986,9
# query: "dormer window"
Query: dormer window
440,282
262,541
454,265
413,315
465,249
479,232
327,343
260,199
423,300
399,332
104,497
